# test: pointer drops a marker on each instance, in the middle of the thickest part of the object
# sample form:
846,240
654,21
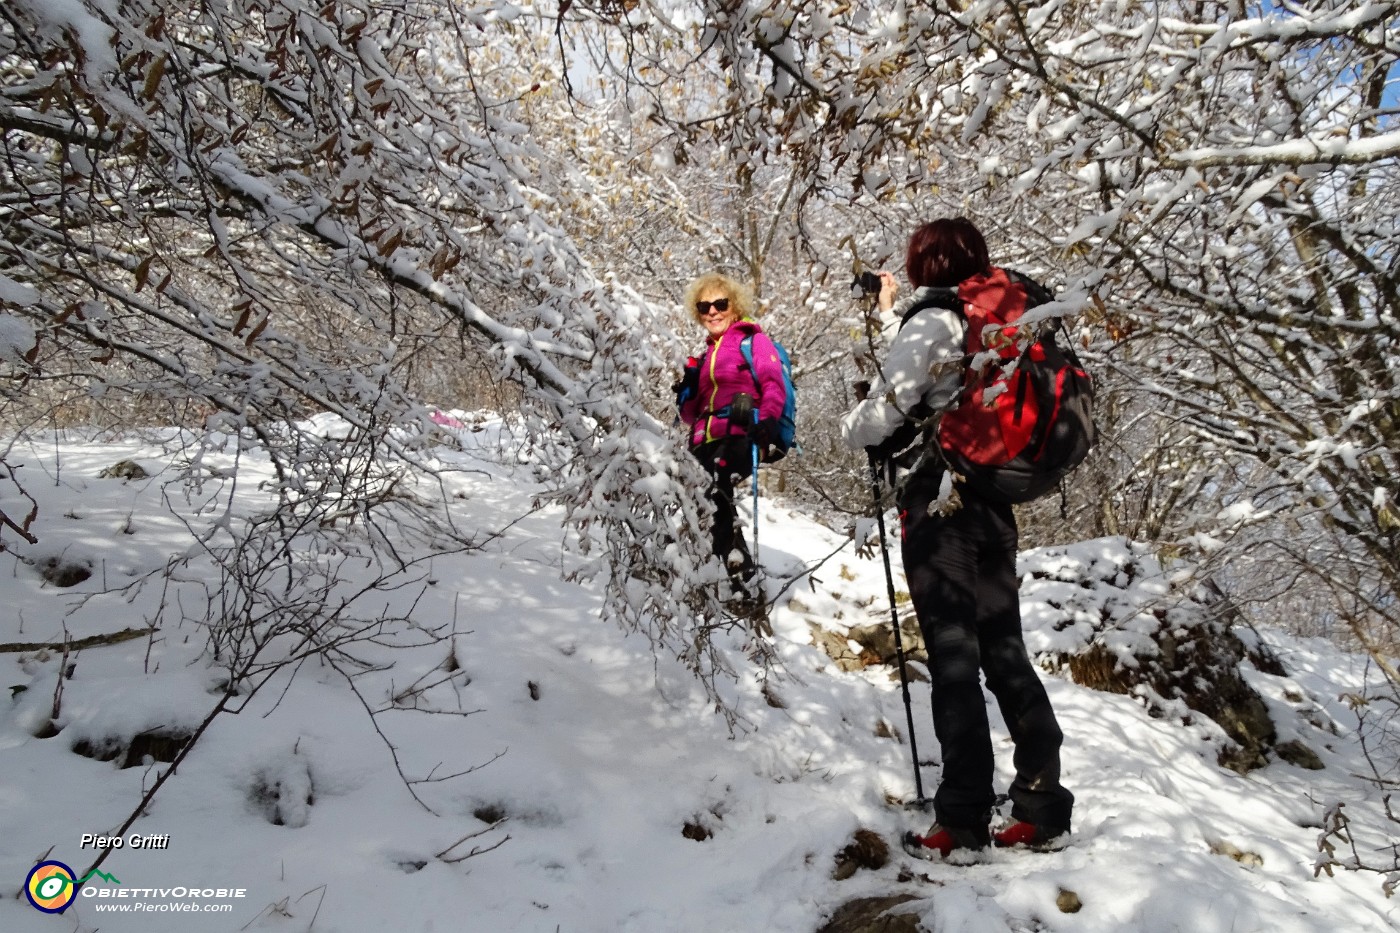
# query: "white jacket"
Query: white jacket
924,364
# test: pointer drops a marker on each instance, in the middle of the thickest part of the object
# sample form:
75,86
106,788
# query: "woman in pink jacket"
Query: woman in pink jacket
713,397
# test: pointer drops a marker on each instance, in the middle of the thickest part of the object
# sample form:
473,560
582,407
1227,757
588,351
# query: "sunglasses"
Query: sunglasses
721,305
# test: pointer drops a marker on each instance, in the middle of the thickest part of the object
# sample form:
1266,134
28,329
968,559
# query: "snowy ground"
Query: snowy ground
591,757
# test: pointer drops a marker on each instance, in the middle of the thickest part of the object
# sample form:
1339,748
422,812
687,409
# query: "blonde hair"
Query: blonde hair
740,295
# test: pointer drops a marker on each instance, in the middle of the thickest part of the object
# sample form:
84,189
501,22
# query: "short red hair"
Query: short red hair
944,252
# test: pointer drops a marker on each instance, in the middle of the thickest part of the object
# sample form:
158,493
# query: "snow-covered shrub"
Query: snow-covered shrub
1108,614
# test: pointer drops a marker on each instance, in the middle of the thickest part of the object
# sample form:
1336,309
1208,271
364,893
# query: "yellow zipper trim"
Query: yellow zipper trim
714,392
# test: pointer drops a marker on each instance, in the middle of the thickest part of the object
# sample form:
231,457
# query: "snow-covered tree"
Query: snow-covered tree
263,209
1205,182
1238,156
238,215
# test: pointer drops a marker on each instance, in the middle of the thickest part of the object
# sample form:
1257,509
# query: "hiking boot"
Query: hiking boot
752,611
942,840
740,566
1021,834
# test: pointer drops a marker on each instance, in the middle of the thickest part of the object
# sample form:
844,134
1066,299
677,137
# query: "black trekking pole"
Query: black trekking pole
758,586
743,409
753,450
869,286
894,619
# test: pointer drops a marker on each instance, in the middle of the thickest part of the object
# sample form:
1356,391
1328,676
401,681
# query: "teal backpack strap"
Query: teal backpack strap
746,347
787,421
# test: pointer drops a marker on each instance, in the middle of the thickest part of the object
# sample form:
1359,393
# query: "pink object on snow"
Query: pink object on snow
446,421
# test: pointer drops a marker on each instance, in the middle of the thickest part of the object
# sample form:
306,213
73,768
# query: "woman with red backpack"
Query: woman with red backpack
730,407
960,557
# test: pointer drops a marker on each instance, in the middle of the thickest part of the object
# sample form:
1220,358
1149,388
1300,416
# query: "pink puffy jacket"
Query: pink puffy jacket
724,373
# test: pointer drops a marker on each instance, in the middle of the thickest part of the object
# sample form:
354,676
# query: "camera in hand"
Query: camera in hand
741,408
867,283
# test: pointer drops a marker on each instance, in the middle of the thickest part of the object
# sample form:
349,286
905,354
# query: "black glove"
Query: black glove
896,443
764,432
689,385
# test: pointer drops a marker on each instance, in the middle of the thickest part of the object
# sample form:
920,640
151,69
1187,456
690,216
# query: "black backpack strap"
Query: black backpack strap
1022,383
1036,294
945,299
907,447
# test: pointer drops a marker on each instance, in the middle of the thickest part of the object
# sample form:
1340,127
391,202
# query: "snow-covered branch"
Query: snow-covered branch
1312,151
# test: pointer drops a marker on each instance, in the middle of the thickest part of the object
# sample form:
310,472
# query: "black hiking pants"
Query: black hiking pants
728,460
962,580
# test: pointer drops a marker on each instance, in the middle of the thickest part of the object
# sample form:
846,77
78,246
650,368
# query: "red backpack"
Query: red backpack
1024,419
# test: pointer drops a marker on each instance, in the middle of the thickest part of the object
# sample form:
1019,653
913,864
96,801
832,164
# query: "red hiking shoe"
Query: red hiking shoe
1021,834
942,840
